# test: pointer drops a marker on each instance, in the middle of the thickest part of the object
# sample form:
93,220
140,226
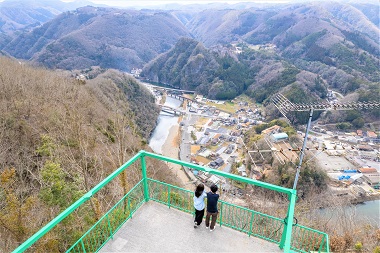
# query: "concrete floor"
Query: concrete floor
156,228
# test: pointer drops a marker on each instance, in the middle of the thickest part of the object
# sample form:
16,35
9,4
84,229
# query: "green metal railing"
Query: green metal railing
260,225
103,230
242,219
305,239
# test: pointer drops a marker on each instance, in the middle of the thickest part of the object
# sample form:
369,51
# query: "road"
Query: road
185,143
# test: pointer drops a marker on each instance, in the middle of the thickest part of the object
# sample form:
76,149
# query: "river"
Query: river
370,209
367,212
164,123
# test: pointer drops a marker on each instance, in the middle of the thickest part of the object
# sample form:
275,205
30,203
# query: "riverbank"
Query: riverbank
363,199
170,148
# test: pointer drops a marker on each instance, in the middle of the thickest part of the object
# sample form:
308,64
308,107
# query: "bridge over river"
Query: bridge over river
169,89
182,98
171,110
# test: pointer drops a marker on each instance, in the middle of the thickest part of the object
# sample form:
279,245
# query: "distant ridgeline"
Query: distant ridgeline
299,50
94,36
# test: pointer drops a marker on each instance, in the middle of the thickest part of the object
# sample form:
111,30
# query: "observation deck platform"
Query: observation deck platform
141,221
156,228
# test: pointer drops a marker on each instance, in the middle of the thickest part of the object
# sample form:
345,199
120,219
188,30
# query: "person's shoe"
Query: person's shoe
212,229
207,227
195,225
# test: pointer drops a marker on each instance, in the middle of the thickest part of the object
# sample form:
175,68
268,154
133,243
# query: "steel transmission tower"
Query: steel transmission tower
285,106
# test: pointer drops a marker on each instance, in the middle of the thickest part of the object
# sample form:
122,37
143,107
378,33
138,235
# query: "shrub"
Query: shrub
358,246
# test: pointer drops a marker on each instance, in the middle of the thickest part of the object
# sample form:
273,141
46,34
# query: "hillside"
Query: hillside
221,73
106,37
17,16
337,41
224,72
333,42
141,104
58,139
266,24
214,26
184,66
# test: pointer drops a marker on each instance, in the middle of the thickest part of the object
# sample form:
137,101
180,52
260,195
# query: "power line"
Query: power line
285,106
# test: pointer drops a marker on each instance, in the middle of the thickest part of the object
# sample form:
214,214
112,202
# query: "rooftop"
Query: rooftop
280,135
156,228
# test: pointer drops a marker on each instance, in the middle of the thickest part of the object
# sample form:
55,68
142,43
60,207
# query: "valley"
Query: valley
209,137
84,86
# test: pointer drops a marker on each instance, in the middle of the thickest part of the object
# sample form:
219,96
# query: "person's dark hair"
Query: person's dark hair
198,191
214,188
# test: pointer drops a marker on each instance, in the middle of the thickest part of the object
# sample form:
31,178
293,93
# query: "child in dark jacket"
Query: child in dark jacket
212,207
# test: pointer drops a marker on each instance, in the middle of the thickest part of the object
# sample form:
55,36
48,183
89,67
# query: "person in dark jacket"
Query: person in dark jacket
212,207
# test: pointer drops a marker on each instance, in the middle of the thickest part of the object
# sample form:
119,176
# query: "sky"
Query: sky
160,2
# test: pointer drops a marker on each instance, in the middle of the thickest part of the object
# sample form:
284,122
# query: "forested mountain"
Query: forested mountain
221,73
323,38
17,16
267,25
59,137
188,65
243,48
297,49
106,37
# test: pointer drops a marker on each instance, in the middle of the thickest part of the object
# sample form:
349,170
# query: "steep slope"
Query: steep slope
58,139
183,66
89,36
214,26
222,73
370,10
141,103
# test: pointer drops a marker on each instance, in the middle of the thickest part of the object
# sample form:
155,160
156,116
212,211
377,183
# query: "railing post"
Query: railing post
322,241
169,196
145,178
129,208
83,247
286,238
251,224
327,243
109,226
221,214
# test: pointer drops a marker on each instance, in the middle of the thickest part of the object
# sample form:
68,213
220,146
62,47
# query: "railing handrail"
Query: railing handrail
74,206
310,229
223,174
305,246
292,193
108,212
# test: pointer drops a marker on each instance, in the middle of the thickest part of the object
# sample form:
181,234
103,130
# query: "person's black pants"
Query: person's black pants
199,216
